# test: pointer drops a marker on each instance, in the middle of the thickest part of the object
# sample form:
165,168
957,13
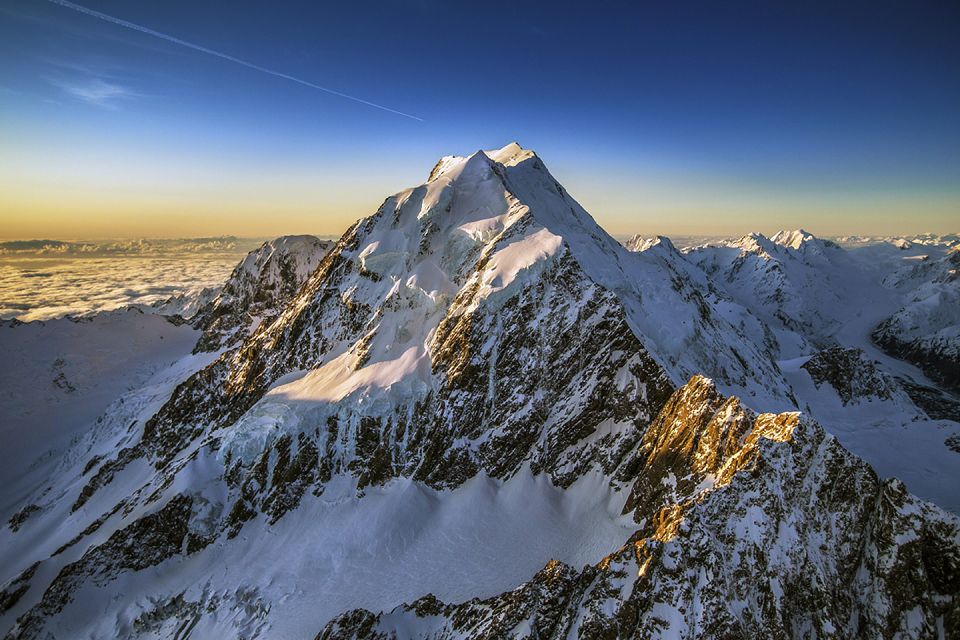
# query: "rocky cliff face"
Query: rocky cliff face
748,526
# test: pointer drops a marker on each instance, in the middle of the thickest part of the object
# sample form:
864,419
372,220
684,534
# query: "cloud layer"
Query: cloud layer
46,279
220,244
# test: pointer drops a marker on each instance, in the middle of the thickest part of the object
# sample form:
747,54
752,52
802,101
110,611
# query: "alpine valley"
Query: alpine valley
478,415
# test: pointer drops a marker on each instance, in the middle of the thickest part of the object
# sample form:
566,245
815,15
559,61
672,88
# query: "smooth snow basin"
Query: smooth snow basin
397,543
405,540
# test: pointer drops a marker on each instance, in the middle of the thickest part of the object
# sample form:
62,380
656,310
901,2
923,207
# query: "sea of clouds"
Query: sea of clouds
46,279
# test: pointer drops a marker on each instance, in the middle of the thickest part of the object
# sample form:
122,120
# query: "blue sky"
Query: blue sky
675,118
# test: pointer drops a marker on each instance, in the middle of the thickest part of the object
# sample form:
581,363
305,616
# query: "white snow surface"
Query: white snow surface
931,307
57,376
399,542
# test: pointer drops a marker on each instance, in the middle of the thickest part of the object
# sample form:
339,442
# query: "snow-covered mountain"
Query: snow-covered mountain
186,305
852,375
681,269
475,382
795,282
926,331
257,290
748,526
904,243
818,303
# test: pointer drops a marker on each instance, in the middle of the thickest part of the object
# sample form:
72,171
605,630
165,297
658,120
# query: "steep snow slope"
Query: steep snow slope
667,312
57,376
719,302
799,285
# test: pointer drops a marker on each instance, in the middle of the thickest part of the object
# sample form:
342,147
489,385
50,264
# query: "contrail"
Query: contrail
224,56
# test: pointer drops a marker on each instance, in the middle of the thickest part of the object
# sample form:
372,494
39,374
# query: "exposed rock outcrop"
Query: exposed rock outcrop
257,289
851,374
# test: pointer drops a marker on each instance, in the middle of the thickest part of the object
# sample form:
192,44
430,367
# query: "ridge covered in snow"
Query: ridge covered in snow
926,330
794,281
818,303
256,290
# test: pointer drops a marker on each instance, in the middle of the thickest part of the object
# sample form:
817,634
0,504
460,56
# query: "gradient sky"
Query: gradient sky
676,118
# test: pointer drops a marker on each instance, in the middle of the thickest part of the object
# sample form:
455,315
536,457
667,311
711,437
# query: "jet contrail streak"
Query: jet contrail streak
224,56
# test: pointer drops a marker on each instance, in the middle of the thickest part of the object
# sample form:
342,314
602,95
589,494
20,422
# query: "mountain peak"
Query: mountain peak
754,242
790,239
641,243
476,161
793,239
258,287
509,155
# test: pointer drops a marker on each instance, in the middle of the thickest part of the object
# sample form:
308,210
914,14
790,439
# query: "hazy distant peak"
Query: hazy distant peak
754,242
644,243
792,239
787,239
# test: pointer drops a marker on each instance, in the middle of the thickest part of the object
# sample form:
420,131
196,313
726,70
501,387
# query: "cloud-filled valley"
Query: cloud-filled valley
45,279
